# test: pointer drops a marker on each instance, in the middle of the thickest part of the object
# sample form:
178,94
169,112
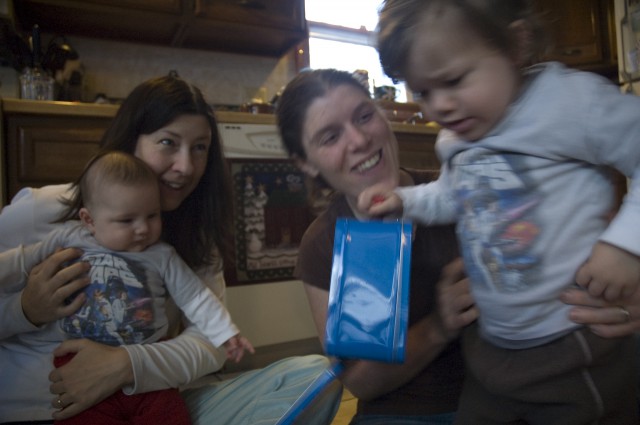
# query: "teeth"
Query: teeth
173,185
369,163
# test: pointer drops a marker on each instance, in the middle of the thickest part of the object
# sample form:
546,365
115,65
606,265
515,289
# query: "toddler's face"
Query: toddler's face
459,81
127,218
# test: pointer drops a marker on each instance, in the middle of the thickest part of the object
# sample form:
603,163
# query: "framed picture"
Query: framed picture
271,214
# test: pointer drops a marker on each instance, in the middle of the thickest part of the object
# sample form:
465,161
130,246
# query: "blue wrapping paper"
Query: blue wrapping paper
368,309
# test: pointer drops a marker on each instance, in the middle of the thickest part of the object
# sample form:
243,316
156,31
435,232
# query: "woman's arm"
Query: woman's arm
97,371
425,341
43,299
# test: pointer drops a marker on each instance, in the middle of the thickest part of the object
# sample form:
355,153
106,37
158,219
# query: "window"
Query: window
341,36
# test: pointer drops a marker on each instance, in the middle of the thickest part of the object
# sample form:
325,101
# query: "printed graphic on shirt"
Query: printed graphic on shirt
496,227
119,306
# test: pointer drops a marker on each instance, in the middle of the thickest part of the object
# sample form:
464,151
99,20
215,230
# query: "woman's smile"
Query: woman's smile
369,163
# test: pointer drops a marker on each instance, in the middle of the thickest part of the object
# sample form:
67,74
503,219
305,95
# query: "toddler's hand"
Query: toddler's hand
379,201
236,346
610,272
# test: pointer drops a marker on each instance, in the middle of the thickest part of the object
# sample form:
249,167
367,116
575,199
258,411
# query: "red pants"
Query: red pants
157,407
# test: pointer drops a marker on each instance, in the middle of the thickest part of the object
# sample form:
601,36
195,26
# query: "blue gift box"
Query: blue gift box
368,310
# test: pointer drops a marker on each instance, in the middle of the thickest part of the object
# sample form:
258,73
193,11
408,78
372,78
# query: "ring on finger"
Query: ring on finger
59,403
625,313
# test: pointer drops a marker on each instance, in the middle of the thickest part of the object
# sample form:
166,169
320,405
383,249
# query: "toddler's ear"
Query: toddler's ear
86,219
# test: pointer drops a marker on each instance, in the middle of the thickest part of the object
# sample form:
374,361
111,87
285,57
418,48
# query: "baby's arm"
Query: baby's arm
610,272
379,201
236,346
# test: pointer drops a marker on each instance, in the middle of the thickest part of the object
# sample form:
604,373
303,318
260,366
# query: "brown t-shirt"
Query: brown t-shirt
437,388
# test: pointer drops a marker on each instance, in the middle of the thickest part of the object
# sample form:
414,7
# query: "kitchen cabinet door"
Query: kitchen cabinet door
264,13
170,6
145,21
582,32
49,150
259,27
417,150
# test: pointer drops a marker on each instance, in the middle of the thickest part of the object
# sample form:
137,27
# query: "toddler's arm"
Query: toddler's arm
610,272
379,201
236,346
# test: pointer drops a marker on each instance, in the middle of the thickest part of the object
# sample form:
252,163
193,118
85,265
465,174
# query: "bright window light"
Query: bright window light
351,13
341,36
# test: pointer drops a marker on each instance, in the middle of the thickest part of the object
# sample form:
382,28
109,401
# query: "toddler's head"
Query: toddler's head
462,59
118,200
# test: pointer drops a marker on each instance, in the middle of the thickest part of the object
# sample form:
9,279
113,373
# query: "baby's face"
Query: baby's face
459,80
127,218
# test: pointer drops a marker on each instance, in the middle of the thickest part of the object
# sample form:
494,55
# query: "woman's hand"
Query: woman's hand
604,319
455,304
50,284
94,373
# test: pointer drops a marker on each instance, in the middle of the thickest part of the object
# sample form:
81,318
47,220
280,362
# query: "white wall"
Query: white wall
271,313
114,68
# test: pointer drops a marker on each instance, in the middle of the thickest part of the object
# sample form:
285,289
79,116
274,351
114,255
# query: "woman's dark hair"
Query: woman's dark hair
291,115
203,222
400,20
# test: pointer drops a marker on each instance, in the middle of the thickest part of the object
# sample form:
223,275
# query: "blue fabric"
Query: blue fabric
441,419
261,397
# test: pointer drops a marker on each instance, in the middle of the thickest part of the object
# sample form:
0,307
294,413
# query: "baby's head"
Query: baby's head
118,200
462,59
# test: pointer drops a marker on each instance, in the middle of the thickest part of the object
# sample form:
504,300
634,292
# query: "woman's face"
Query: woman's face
349,142
178,154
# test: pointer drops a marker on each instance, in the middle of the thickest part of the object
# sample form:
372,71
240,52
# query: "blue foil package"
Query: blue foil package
368,310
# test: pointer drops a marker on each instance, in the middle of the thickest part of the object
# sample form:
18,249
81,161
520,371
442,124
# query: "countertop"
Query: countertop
81,109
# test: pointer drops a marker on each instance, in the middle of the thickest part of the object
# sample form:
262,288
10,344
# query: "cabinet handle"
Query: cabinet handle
572,52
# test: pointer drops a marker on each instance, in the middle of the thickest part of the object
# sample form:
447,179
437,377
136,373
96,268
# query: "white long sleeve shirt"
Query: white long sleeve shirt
532,198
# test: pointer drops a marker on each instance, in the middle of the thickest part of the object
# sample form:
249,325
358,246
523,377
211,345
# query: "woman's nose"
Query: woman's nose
356,137
183,163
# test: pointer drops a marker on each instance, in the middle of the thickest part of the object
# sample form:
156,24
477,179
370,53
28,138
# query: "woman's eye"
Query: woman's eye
328,139
201,147
454,81
365,117
167,142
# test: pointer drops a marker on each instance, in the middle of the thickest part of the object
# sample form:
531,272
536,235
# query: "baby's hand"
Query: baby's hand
236,346
610,272
379,201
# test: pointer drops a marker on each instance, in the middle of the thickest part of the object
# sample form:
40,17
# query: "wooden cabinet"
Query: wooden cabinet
48,149
258,27
416,146
582,33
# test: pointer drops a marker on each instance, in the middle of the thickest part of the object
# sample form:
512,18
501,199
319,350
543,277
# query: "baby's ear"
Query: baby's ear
86,219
